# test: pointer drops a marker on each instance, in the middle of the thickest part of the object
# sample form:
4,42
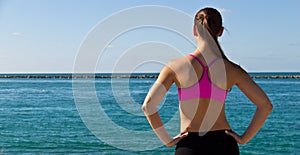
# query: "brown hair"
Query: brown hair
211,19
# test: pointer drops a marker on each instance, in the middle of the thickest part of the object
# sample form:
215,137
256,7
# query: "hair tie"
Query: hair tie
202,19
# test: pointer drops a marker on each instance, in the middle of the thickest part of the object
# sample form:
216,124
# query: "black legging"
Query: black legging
212,143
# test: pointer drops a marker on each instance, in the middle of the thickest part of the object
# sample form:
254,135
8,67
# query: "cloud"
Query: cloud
293,44
16,33
223,10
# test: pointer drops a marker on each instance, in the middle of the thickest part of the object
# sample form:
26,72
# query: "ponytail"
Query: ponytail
211,19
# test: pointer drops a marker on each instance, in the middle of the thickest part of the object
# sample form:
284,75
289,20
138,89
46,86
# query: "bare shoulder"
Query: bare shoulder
236,72
181,67
173,66
177,64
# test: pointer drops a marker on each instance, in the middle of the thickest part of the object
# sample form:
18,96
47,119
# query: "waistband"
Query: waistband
208,133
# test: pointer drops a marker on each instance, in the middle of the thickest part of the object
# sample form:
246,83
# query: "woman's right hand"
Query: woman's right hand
239,139
176,139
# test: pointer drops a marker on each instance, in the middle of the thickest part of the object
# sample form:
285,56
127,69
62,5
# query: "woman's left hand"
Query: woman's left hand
176,139
239,139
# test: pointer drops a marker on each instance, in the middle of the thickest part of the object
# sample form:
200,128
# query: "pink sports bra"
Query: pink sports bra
204,88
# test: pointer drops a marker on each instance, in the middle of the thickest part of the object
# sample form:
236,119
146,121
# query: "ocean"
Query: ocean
49,114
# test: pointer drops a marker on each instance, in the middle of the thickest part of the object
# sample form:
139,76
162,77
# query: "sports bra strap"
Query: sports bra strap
212,62
201,63
198,59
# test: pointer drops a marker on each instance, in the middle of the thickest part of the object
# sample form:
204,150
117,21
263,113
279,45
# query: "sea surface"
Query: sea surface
56,116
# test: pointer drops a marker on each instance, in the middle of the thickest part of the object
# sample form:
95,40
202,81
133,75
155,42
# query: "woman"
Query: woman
203,79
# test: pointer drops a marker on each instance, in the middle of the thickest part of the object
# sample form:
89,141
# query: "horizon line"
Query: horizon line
145,72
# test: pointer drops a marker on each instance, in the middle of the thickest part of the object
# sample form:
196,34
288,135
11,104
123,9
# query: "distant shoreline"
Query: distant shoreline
277,77
265,75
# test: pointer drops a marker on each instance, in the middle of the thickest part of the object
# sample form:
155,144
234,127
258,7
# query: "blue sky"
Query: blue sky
40,36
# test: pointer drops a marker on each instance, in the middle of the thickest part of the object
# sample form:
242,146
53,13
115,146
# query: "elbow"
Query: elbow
267,106
144,108
148,108
270,107
145,105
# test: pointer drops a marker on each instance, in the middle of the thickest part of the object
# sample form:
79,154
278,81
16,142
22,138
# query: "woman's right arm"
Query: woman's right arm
164,81
259,98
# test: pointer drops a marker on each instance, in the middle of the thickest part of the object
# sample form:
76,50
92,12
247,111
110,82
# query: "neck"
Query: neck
207,48
204,56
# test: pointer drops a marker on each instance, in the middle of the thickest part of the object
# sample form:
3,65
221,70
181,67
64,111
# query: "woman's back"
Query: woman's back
202,89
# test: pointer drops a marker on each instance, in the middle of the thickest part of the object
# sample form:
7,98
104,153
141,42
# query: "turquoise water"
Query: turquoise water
40,116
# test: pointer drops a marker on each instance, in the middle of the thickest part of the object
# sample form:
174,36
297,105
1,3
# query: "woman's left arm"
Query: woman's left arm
164,81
